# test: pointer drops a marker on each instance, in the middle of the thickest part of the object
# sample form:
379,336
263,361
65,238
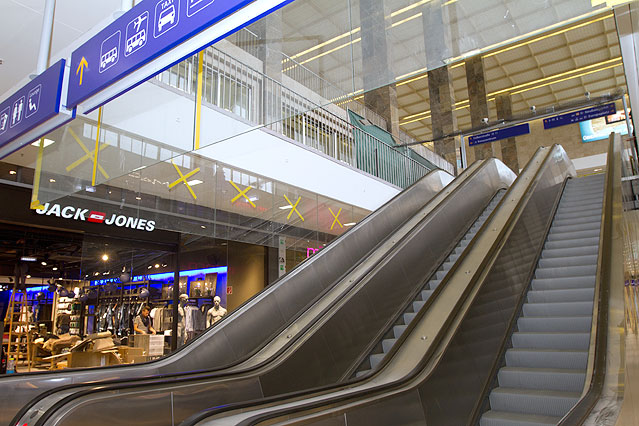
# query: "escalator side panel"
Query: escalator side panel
326,355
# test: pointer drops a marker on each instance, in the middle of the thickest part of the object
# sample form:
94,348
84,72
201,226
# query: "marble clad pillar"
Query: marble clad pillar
476,83
377,73
508,146
440,89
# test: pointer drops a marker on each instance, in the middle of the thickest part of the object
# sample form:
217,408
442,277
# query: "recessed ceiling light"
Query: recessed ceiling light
52,180
43,263
349,224
202,226
12,172
195,182
138,198
55,268
285,207
28,276
105,257
157,265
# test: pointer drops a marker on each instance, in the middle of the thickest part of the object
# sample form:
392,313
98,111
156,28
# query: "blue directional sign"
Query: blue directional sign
32,105
140,35
495,135
578,116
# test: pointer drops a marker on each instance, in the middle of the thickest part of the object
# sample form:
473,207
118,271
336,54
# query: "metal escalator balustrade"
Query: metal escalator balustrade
545,369
427,291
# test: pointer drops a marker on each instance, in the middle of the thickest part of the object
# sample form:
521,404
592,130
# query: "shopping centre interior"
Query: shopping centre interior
339,212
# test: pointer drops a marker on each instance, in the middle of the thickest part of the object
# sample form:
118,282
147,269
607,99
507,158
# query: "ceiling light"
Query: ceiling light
598,170
28,259
43,263
149,267
286,207
157,265
350,224
138,198
202,226
105,257
12,172
28,276
55,268
90,189
139,168
47,142
194,182
52,180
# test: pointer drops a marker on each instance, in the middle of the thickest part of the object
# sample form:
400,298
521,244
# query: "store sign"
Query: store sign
495,135
579,116
32,105
145,32
86,215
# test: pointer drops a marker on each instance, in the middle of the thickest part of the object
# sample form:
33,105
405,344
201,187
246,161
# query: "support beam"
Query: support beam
44,53
476,83
508,146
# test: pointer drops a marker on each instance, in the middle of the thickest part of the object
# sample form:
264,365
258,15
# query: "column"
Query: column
476,83
440,89
379,95
508,146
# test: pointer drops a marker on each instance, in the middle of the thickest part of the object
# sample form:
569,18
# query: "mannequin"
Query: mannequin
215,313
181,335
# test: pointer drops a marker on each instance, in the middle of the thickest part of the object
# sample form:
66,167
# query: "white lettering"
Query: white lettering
141,224
80,214
132,222
55,210
110,221
44,210
150,225
120,221
67,212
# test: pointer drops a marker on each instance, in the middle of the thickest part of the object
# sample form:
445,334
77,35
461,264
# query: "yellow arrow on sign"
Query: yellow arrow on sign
83,63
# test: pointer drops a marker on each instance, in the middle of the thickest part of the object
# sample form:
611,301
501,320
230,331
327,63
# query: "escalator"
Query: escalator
414,250
519,336
545,369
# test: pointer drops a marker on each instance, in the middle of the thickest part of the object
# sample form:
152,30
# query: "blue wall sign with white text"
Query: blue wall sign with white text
495,135
145,32
578,116
35,103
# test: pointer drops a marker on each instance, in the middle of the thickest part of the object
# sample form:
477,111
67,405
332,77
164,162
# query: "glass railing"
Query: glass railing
260,100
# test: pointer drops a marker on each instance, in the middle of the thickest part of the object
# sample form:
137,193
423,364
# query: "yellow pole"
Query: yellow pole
97,146
35,202
198,101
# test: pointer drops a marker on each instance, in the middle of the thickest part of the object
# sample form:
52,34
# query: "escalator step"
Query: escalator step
562,229
572,260
542,378
387,344
581,198
427,293
398,330
558,309
582,208
581,324
566,237
361,373
563,295
502,418
418,304
563,283
578,214
591,241
569,251
375,359
546,358
408,317
566,271
529,401
550,340
579,219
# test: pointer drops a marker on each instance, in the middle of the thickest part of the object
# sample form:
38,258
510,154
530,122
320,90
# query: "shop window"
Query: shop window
136,146
110,138
150,151
166,155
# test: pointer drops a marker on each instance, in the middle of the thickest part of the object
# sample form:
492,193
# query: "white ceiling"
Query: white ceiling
20,28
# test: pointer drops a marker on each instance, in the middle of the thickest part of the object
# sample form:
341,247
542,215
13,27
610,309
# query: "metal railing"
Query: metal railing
235,87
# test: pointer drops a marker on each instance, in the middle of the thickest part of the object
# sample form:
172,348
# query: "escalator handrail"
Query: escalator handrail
428,355
160,380
490,382
609,254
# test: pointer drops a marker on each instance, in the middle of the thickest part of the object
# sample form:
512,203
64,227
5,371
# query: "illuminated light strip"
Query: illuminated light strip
357,40
35,203
427,113
327,42
403,21
459,60
198,99
514,90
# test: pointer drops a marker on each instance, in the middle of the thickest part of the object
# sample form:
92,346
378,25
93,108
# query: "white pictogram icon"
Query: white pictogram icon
17,112
136,33
167,16
33,100
4,120
110,51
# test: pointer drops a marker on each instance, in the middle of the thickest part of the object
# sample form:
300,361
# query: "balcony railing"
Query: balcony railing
254,97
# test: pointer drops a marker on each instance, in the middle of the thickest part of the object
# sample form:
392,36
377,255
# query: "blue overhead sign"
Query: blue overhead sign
142,34
495,135
578,116
32,105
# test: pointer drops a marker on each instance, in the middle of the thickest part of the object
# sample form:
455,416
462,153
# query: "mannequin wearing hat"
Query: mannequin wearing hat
215,313
181,335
